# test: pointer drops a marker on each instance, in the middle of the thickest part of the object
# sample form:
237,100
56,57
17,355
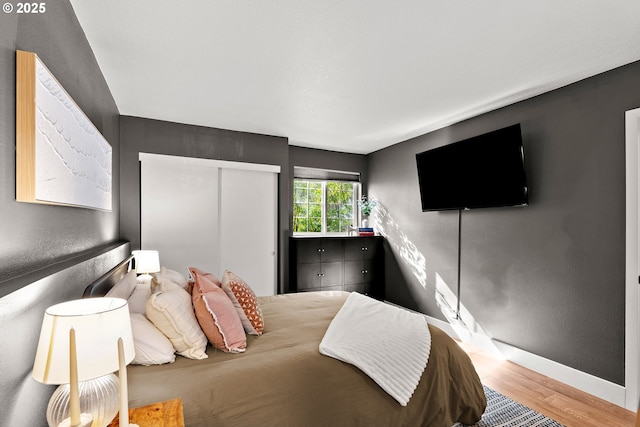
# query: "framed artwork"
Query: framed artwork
61,158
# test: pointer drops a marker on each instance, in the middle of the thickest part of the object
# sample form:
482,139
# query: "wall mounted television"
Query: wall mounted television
479,172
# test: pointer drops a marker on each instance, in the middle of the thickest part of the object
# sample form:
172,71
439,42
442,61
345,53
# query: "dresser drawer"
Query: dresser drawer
337,263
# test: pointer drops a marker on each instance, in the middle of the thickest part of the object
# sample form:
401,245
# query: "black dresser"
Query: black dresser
337,263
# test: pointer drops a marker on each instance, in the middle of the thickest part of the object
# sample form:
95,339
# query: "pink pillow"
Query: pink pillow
245,302
211,279
217,315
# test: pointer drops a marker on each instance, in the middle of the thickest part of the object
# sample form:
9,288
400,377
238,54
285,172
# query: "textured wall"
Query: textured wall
331,160
34,235
547,278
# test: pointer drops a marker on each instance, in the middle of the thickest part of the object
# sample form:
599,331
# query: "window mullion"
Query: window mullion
324,208
357,193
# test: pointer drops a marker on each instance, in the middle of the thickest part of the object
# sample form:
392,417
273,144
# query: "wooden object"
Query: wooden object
161,414
61,158
25,126
338,263
565,404
74,395
124,393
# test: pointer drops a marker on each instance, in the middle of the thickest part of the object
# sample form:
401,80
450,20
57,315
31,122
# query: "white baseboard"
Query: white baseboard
583,381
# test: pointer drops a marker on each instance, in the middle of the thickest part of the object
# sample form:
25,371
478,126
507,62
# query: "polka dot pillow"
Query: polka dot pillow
245,302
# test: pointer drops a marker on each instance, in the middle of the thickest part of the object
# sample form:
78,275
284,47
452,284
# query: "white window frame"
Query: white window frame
324,232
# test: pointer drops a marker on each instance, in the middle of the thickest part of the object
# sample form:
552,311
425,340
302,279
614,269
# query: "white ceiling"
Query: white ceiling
348,75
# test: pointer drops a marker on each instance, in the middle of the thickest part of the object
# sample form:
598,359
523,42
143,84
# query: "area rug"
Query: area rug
502,411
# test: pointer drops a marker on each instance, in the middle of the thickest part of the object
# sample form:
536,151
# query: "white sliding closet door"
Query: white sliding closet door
248,232
179,212
210,214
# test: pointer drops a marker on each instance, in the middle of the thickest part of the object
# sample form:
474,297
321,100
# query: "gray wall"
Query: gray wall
547,278
332,160
34,235
160,137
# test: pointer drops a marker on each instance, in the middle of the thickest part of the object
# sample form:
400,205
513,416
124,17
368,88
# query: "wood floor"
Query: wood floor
556,400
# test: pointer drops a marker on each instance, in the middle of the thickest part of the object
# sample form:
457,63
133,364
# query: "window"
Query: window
307,206
324,206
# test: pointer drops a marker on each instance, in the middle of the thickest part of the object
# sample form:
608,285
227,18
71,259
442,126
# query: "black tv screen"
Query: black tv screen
480,172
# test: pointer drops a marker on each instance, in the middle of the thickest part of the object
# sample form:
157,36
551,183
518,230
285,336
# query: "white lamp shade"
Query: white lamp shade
147,261
98,324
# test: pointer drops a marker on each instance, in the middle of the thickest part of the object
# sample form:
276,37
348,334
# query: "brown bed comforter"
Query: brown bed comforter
282,379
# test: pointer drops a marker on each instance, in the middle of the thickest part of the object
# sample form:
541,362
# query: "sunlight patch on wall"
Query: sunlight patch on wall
409,253
463,323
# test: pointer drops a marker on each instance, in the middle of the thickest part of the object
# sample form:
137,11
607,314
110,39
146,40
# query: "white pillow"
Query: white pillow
151,346
138,298
162,284
172,313
124,288
172,276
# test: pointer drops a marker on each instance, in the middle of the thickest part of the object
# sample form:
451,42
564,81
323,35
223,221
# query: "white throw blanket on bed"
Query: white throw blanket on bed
388,343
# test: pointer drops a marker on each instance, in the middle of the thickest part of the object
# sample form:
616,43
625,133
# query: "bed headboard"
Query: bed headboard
101,286
23,401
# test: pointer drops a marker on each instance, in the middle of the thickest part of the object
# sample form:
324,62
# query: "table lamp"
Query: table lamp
82,342
146,262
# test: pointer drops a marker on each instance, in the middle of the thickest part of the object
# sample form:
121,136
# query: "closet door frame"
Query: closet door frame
220,165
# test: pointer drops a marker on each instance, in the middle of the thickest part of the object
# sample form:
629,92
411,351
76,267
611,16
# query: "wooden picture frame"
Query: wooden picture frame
61,157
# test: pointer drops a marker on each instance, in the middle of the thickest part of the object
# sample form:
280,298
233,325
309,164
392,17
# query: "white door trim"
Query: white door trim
632,260
211,162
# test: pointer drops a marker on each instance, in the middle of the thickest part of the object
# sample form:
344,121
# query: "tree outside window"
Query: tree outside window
324,206
307,206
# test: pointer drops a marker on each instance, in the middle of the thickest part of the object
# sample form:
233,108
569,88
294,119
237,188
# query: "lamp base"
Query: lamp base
85,421
98,398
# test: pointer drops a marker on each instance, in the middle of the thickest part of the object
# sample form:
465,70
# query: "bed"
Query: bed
283,380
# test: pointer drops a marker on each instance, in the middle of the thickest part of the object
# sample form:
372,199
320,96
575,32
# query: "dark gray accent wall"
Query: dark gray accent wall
330,160
547,278
34,236
140,135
